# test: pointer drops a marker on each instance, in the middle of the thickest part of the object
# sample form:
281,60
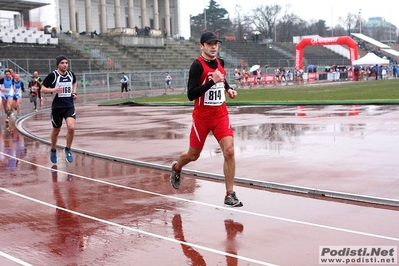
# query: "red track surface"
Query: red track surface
100,212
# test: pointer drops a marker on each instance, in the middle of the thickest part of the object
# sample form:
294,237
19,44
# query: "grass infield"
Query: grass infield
363,92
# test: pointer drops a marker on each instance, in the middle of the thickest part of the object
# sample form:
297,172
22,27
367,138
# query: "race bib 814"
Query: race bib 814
215,95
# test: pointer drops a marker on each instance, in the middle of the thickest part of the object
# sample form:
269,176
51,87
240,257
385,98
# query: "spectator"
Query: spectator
237,78
137,30
384,73
374,71
289,75
256,33
277,75
246,75
282,74
245,37
54,32
380,68
356,71
258,75
147,31
124,82
168,82
110,62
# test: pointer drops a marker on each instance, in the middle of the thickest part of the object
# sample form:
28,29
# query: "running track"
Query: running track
99,211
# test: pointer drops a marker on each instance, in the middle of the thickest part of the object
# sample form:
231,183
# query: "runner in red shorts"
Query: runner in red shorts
207,87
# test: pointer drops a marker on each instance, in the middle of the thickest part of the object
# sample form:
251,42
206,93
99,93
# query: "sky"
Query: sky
329,11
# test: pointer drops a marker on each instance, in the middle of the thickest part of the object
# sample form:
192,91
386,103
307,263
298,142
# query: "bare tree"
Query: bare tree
339,30
349,22
242,24
321,28
288,27
237,24
264,18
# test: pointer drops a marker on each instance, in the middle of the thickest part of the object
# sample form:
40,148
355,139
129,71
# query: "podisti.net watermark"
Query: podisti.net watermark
372,255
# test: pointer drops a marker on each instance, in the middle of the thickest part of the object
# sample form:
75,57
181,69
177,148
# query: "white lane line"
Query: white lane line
139,231
14,259
217,206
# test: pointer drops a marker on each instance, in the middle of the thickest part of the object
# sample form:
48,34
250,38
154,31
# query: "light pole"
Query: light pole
205,18
360,20
390,27
205,15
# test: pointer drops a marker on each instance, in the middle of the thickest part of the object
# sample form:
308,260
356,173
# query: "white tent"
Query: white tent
370,59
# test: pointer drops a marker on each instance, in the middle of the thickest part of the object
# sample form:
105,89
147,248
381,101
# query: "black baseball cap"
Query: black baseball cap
209,37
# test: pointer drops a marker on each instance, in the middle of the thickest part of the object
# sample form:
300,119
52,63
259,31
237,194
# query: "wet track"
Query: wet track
97,211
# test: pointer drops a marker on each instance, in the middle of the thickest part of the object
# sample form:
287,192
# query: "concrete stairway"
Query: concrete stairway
41,58
175,54
254,53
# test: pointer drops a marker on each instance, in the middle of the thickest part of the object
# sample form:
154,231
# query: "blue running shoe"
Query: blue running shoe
68,154
53,156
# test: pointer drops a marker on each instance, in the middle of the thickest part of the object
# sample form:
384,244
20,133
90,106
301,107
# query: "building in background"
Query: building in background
93,15
382,30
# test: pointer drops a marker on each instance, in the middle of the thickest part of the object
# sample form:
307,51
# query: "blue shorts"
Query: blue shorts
5,97
17,96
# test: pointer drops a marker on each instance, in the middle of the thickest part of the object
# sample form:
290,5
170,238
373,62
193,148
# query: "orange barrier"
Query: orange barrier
252,80
230,38
312,77
270,79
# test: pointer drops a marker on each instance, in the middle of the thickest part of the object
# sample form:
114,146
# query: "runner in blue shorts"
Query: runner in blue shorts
7,89
18,89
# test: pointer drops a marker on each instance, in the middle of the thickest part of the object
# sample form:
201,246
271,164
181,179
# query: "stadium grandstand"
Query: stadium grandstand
101,48
379,48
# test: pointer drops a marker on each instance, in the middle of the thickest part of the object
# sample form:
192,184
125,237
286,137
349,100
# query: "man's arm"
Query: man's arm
193,90
74,83
45,87
227,86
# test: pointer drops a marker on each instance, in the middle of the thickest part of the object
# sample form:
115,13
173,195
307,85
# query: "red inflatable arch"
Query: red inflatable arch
318,41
